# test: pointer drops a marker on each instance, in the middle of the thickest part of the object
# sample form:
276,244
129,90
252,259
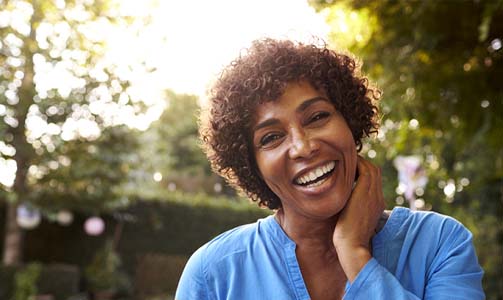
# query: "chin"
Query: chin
329,210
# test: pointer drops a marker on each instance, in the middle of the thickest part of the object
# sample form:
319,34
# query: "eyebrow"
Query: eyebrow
299,109
310,102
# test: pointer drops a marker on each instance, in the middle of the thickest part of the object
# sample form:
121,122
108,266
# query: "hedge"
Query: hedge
164,230
60,281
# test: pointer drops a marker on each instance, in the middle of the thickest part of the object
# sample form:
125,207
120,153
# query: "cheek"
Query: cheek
353,153
269,169
348,148
262,166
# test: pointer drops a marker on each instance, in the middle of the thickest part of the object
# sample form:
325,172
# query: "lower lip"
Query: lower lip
323,187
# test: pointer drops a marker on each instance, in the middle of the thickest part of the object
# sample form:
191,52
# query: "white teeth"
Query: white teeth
317,183
316,173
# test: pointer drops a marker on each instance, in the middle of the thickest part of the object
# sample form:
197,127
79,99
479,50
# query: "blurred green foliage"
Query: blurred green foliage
165,230
60,101
440,66
153,225
171,149
104,274
60,281
25,282
94,178
40,40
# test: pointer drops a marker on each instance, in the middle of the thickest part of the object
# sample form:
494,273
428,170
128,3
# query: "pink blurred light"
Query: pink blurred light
94,226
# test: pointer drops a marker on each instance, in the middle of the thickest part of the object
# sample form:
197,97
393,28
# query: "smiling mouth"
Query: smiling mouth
317,176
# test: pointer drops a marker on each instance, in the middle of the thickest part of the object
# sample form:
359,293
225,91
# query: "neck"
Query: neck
308,234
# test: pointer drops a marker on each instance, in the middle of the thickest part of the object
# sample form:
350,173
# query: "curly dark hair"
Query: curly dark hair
261,74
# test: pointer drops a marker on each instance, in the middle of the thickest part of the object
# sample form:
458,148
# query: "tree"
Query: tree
60,104
171,153
440,64
177,135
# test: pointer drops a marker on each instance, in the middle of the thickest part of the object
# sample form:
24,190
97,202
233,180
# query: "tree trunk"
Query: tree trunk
13,237
12,252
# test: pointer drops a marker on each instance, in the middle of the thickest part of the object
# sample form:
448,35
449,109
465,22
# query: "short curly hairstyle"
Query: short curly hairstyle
261,74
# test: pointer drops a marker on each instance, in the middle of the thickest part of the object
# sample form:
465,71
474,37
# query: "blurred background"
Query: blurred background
104,192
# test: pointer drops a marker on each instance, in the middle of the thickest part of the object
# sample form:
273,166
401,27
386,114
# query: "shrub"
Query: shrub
25,282
158,274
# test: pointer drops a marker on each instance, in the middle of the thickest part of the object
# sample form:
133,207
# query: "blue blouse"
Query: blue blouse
417,255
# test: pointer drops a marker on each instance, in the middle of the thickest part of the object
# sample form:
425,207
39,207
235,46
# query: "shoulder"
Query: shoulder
430,254
230,243
441,248
404,219
237,239
204,262
425,228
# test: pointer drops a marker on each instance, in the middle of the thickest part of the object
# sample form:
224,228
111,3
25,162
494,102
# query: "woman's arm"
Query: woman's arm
358,220
452,273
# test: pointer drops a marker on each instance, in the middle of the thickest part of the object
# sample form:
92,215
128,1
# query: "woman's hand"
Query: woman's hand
358,220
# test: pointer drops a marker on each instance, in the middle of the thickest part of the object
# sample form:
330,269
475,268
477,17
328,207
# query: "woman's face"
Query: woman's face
305,152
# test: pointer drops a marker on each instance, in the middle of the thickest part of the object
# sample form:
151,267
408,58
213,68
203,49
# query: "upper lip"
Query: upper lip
308,169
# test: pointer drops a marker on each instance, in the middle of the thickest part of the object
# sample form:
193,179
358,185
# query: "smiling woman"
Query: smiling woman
284,125
303,126
261,77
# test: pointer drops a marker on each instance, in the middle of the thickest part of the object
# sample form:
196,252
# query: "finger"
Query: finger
380,186
379,190
364,174
375,183
366,166
373,174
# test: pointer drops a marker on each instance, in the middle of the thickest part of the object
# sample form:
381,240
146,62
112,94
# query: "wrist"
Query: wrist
353,259
350,245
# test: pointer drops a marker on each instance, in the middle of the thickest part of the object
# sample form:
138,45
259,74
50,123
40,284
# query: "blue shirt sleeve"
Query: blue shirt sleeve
454,272
375,282
192,284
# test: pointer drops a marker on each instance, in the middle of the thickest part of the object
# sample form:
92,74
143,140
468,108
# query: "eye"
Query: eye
269,138
319,116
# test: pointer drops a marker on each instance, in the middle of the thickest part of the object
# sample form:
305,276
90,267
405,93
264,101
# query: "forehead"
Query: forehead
296,96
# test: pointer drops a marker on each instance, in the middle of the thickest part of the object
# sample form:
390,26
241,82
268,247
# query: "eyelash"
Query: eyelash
271,137
318,116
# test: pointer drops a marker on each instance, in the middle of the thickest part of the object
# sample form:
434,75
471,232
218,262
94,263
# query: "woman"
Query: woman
284,126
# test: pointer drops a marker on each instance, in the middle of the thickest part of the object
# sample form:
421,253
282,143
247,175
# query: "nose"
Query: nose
302,145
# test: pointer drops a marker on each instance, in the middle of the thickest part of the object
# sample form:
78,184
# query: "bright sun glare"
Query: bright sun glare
201,37
185,43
